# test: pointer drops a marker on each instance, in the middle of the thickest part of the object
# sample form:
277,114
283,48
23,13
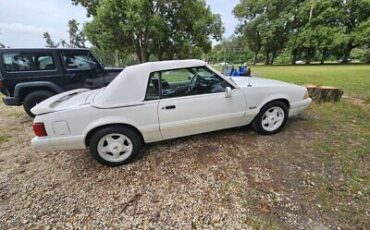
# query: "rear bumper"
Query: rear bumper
58,143
298,107
11,101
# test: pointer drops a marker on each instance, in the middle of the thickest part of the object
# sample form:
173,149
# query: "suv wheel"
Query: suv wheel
33,99
271,119
114,146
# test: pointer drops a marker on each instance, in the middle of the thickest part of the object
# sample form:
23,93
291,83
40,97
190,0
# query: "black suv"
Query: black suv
29,76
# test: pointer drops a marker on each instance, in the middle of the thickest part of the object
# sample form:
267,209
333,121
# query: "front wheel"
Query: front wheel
114,146
271,119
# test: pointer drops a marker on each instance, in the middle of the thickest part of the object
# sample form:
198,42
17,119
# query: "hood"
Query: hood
67,100
257,82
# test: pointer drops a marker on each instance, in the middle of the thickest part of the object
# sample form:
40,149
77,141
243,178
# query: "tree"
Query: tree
297,23
267,22
320,29
164,29
49,42
76,37
233,49
356,20
1,44
90,5
250,32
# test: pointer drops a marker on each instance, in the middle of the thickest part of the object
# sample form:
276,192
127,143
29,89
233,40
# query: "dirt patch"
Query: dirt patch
358,101
231,179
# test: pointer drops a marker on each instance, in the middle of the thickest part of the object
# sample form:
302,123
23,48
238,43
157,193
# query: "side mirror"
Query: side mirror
228,92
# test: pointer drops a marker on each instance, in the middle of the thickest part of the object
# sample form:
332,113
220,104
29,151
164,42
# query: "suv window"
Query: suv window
15,62
191,81
78,60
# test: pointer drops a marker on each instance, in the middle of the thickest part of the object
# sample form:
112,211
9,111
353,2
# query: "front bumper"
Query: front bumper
298,107
12,101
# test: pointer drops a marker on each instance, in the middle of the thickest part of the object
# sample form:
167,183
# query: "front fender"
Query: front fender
274,97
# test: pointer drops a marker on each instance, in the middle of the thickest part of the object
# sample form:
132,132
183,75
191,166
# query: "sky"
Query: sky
23,22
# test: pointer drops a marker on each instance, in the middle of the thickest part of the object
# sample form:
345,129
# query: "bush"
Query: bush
366,56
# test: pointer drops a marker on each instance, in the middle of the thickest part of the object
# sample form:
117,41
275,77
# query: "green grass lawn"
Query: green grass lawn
353,79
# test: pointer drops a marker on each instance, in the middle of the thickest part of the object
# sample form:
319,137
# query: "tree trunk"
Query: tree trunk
324,93
138,56
308,56
272,59
160,56
267,58
294,56
347,52
255,58
323,56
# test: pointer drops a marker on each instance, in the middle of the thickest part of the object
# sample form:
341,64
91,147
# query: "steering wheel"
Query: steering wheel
193,83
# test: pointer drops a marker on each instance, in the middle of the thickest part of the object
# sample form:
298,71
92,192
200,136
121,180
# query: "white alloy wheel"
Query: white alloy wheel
273,118
115,147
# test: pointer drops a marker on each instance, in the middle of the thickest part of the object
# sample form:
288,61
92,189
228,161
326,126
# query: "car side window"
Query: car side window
191,81
152,91
78,60
16,62
175,83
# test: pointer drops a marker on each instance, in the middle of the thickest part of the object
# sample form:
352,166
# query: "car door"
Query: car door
81,70
193,101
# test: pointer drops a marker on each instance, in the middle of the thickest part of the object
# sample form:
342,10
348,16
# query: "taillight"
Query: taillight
1,84
39,129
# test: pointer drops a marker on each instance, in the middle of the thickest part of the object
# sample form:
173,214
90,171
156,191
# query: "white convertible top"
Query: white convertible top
129,87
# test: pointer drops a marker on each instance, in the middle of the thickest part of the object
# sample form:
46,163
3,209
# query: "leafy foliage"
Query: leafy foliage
90,5
49,42
77,38
305,27
161,29
233,50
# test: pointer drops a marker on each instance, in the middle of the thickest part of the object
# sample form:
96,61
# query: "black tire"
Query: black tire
257,122
126,131
34,98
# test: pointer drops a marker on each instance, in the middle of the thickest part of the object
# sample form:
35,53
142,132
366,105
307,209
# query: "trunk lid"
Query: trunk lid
67,100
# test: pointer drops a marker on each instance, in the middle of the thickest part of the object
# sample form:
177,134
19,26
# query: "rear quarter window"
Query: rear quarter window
20,62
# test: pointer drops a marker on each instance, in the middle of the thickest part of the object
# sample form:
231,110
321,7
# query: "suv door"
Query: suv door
20,66
82,70
193,101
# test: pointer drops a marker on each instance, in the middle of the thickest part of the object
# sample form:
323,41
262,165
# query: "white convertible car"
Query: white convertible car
158,101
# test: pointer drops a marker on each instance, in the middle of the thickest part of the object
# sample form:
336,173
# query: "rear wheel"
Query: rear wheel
33,99
114,146
271,119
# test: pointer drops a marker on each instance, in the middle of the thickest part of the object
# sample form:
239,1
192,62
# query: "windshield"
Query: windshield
231,79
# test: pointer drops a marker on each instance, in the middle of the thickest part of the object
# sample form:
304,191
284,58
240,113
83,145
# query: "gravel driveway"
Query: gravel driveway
232,179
